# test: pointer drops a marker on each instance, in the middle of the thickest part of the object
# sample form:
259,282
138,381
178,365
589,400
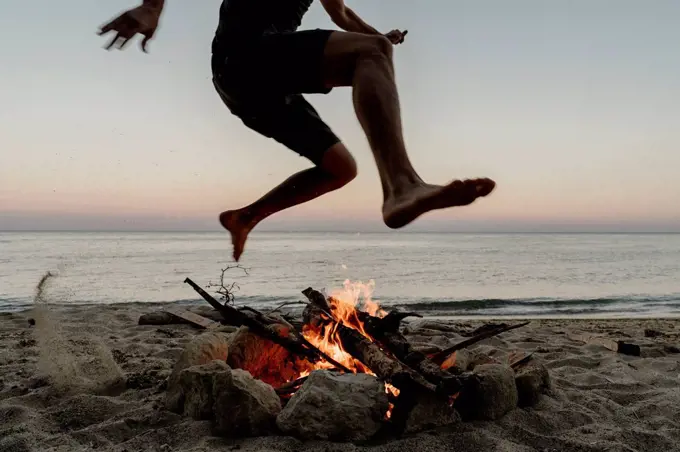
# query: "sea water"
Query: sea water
608,275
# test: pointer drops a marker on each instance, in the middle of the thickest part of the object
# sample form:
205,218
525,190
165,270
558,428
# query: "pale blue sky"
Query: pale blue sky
572,106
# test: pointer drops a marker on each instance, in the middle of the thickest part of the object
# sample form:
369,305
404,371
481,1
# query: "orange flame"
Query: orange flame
345,304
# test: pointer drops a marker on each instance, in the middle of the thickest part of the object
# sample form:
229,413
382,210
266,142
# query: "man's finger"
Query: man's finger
112,42
111,25
124,42
146,39
105,29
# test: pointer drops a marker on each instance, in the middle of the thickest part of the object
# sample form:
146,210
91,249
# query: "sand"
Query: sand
89,378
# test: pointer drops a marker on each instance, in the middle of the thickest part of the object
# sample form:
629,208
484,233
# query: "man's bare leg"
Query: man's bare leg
337,169
365,63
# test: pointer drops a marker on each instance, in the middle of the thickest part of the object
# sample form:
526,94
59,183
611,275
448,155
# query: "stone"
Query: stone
196,383
431,411
532,380
264,359
477,358
203,349
489,395
236,403
337,407
244,406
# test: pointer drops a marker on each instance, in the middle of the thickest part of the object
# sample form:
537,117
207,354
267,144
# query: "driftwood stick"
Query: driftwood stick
526,358
392,321
287,303
623,347
441,356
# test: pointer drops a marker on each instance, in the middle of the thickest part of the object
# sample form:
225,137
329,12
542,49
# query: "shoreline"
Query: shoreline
430,314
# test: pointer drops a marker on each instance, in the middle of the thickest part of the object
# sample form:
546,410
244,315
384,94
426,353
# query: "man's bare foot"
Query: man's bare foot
400,211
233,221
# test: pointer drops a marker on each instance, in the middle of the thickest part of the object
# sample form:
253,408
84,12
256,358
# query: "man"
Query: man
261,67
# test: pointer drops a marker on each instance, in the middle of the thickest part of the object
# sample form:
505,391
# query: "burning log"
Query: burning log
386,368
318,313
276,331
385,331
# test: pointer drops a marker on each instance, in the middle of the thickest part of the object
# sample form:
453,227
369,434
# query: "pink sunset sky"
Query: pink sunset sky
572,107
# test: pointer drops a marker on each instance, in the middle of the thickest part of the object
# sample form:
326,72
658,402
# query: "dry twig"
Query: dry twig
226,291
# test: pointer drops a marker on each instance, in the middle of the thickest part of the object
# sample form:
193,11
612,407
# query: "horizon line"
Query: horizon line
319,231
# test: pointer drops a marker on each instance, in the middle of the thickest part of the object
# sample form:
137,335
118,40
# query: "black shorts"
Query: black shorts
262,84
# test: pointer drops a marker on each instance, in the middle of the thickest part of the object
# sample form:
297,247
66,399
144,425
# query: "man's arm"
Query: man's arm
156,5
345,18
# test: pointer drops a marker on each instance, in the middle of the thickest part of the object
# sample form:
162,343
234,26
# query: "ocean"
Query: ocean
461,275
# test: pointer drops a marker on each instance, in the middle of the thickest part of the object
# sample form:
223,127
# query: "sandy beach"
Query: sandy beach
90,378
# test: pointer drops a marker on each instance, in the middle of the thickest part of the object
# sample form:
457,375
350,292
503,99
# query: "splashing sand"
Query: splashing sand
77,364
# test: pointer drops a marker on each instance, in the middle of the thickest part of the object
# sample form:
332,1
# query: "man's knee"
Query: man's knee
344,51
377,46
338,161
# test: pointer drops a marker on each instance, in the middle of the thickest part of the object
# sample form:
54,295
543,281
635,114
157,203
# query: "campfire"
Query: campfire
347,333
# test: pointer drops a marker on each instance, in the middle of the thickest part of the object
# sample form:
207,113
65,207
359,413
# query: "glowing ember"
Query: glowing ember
344,304
449,362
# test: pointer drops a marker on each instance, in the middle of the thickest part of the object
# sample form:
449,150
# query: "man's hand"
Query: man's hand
142,20
396,36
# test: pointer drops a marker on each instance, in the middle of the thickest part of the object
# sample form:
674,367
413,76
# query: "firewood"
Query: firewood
277,333
385,368
291,386
192,318
625,348
524,359
362,349
441,356
395,343
385,331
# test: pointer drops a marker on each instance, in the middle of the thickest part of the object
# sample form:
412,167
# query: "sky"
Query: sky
571,106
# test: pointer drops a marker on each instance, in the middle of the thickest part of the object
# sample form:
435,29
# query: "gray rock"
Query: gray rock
238,404
431,411
243,405
477,358
201,350
196,383
332,406
490,395
532,379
